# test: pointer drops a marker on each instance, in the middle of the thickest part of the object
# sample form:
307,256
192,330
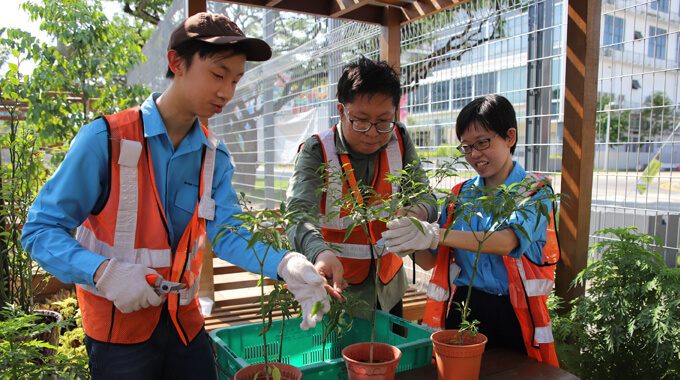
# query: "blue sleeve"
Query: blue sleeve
532,247
230,246
64,202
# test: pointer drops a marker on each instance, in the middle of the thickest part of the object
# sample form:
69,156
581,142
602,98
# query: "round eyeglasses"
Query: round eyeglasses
363,126
479,146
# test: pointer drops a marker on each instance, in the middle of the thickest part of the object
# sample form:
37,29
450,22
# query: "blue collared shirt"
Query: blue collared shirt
79,184
492,277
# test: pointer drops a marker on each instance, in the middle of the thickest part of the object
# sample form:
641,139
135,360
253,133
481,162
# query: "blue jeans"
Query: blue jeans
163,356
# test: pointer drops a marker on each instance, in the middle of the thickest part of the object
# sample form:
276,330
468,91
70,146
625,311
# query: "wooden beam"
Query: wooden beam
370,14
355,10
196,6
390,38
580,103
423,8
340,7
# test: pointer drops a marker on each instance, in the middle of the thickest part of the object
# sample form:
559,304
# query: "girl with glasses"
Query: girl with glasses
511,263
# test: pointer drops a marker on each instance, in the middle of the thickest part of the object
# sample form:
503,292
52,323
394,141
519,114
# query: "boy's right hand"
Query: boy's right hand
403,235
125,285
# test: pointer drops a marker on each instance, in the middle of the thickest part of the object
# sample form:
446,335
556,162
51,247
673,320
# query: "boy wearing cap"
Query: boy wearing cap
146,188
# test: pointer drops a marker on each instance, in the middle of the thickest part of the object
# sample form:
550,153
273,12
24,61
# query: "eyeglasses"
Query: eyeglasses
479,146
363,126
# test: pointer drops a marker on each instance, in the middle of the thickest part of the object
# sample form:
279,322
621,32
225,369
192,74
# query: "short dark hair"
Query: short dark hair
368,77
188,49
492,112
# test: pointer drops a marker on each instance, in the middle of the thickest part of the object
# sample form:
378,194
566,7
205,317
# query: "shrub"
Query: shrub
628,324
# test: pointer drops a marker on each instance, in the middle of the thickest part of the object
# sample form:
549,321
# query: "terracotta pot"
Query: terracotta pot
457,361
288,372
386,360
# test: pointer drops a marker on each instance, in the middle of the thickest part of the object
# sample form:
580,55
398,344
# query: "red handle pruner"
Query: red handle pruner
162,286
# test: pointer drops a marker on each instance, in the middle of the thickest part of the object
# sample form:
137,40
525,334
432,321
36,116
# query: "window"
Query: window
485,84
513,85
613,32
661,5
656,45
462,92
419,98
440,96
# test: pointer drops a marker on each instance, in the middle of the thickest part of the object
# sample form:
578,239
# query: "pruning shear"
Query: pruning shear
163,286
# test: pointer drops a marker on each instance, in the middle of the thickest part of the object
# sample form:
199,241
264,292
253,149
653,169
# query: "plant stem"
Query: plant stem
283,327
466,307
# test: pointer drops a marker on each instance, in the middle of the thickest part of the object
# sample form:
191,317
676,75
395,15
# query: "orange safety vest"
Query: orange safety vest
354,251
529,285
114,232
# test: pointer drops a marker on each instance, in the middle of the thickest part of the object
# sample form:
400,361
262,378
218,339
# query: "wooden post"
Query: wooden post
196,6
580,103
390,38
207,280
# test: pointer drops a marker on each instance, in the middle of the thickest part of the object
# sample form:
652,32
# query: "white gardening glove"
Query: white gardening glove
125,285
403,236
306,285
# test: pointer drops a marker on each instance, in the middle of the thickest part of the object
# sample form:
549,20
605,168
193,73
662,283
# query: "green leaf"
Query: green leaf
276,373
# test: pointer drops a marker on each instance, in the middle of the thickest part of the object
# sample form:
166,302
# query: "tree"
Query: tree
78,76
618,120
658,116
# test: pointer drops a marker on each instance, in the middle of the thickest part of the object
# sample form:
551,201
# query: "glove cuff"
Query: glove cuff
434,228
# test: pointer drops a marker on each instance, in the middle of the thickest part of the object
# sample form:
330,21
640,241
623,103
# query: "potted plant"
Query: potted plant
373,359
459,352
266,226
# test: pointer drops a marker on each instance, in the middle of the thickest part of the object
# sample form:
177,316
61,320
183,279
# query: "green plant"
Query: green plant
22,354
628,323
280,299
266,227
498,205
21,173
339,318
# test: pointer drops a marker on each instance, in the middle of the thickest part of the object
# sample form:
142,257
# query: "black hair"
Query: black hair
492,112
368,77
186,50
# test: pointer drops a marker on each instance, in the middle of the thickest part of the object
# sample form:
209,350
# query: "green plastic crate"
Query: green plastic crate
239,346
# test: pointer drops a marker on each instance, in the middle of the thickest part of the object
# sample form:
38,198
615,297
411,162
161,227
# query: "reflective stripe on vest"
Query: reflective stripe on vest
534,287
544,335
437,293
206,207
126,224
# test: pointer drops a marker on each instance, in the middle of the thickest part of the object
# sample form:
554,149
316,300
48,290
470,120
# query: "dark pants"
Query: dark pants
163,356
497,319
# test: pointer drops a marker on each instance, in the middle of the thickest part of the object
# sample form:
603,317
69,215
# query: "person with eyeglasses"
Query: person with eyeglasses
366,145
517,260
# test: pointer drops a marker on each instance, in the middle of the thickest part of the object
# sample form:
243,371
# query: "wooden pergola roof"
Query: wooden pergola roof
580,100
368,11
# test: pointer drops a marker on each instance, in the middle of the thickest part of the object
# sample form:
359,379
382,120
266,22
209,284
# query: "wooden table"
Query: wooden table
500,365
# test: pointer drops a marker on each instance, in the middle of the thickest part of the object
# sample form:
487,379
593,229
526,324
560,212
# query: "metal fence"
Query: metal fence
510,47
